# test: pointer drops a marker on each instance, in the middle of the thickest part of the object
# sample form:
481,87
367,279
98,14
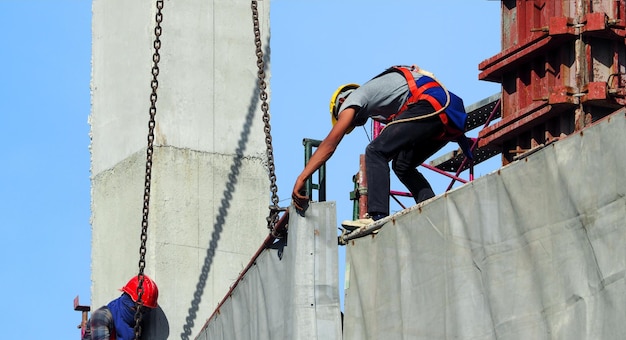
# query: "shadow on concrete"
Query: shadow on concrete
224,207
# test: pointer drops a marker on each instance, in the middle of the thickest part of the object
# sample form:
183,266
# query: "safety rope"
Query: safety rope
154,84
432,76
272,218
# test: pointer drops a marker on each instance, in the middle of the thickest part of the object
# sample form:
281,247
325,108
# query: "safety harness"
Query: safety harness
431,90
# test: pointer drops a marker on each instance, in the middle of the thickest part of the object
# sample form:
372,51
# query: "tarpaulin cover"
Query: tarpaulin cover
536,250
291,292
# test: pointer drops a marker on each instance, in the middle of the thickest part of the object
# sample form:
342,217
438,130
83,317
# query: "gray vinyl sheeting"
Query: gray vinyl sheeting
291,292
535,250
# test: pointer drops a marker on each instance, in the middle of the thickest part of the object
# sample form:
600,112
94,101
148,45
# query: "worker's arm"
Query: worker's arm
323,152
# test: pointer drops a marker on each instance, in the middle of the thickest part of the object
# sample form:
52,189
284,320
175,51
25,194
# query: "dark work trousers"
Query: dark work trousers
407,145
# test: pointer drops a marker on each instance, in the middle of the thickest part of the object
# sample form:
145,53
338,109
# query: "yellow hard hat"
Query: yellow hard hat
341,93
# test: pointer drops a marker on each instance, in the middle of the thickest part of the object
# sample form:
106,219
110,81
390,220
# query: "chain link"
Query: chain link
274,209
154,84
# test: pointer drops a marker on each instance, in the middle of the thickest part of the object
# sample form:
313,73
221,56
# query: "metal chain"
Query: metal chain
274,209
154,84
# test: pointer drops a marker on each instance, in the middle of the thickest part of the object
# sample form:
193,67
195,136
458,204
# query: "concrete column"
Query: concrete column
210,188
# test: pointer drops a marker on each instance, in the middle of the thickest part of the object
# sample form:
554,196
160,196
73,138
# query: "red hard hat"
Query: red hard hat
150,291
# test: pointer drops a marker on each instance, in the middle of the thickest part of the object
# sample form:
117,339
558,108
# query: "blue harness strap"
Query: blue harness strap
452,115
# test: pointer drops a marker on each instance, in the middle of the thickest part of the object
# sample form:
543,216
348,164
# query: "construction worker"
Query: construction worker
116,320
421,116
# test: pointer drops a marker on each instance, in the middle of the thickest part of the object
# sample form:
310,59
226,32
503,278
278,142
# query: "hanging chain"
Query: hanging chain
154,84
274,209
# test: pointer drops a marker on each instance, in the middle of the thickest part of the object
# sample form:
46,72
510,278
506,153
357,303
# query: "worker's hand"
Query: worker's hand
299,199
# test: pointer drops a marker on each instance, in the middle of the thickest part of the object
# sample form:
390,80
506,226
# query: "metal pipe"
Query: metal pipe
398,201
309,144
85,314
362,180
439,171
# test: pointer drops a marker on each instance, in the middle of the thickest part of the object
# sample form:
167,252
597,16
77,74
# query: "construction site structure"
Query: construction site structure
209,167
530,251
533,250
562,67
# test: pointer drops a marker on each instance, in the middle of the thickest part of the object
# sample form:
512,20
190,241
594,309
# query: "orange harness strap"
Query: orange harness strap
417,93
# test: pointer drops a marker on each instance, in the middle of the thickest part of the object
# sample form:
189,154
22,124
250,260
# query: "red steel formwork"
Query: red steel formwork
562,67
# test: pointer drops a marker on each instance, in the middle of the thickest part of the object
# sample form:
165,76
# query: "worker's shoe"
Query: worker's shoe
368,219
351,225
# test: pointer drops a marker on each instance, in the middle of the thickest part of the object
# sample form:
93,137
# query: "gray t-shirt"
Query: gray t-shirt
378,98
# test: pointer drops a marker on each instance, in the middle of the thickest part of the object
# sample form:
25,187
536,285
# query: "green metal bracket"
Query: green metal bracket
320,186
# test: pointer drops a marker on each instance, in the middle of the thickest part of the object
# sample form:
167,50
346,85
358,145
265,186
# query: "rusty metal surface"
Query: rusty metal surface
563,65
362,183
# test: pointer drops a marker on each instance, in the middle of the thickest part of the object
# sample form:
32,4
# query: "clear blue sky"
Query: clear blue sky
45,67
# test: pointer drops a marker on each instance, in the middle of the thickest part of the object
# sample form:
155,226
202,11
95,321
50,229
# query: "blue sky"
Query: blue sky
45,68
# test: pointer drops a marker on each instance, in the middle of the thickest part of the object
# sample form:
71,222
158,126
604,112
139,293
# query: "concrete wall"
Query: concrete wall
210,189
